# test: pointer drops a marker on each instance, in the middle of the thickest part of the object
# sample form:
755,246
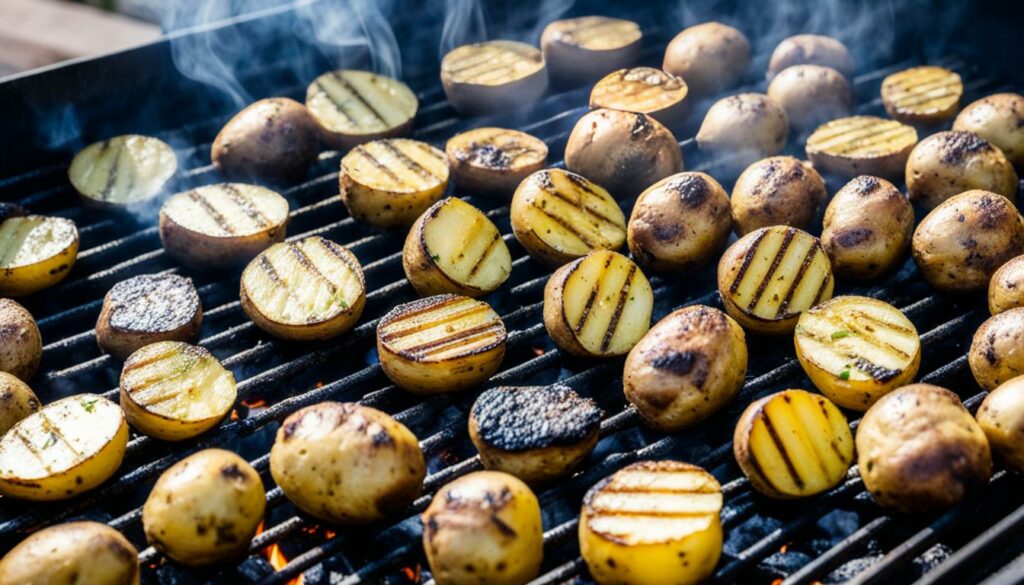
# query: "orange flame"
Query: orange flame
784,548
412,573
777,582
277,559
537,351
254,402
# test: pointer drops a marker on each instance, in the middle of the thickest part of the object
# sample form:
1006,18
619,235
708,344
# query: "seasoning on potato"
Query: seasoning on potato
122,171
1006,287
559,216
347,463
652,523
995,355
741,129
949,163
484,527
770,276
21,345
493,76
273,139
624,152
146,309
443,343
493,161
867,228
793,444
862,145
811,95
710,56
36,252
644,90
222,225
920,451
389,183
454,248
72,553
963,241
17,401
304,290
581,50
687,367
205,509
810,50
598,306
536,433
779,190
1001,417
922,95
352,107
999,119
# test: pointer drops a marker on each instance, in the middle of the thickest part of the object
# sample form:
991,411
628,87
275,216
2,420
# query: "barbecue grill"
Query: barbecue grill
835,537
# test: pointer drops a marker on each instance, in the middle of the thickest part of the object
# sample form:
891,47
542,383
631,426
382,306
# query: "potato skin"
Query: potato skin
810,50
963,241
779,190
21,345
72,553
17,401
205,509
867,228
687,367
680,223
710,56
997,349
999,119
919,450
741,129
273,139
1006,288
949,163
811,95
1001,417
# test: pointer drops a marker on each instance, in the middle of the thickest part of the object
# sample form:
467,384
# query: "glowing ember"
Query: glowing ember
538,351
254,402
784,548
319,384
412,573
777,582
234,414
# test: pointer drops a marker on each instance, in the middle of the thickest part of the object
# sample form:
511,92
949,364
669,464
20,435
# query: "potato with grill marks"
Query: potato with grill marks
493,76
273,139
72,553
995,355
779,190
999,119
493,161
949,163
36,252
352,107
810,50
123,171
644,90
581,50
21,345
1001,417
922,95
146,309
710,56
1006,287
536,433
17,401
862,145
741,129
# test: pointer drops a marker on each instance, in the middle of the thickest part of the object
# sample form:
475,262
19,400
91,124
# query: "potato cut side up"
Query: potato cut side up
28,240
441,328
922,91
641,89
497,149
861,137
359,102
123,170
397,166
491,63
466,245
178,381
598,33
228,210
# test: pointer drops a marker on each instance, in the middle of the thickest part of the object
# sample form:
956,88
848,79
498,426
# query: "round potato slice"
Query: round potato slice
174,391
644,90
652,523
710,56
949,163
222,225
559,216
995,355
72,553
122,171
922,95
1001,416
810,50
493,76
36,252
353,107
389,183
862,145
454,248
771,275
1006,287
310,289
67,448
17,401
146,309
493,161
21,345
581,50
998,119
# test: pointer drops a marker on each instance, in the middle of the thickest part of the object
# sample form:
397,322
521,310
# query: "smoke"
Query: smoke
467,21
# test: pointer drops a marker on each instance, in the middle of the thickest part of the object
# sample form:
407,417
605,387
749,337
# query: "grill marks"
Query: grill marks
497,148
178,381
360,102
599,32
861,137
640,89
228,210
397,165
491,63
123,170
445,327
922,90
30,239
465,245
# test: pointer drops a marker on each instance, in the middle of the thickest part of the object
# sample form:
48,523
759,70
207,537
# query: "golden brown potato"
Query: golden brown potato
811,95
687,367
644,90
1001,417
122,171
581,50
867,228
862,145
624,152
274,139
810,50
995,354
146,309
352,107
999,119
36,252
205,509
21,345
484,527
679,223
741,129
949,163
922,95
963,241
710,57
71,554
919,450
17,401
493,161
779,190
493,76
1006,287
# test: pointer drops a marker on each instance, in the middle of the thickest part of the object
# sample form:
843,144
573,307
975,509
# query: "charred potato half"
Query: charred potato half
146,309
780,190
949,163
21,345
17,401
72,553
36,252
710,56
644,90
123,171
1001,417
274,139
811,95
996,354
493,161
999,119
862,145
1006,287
581,50
922,95
493,76
919,450
742,129
352,107
810,50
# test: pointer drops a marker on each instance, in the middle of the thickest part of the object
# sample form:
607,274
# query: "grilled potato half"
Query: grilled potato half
174,391
352,107
310,289
922,95
1001,416
440,344
598,306
389,183
771,275
536,433
146,309
493,161
949,163
1006,287
454,248
559,216
862,145
223,225
36,252
72,553
581,50
18,401
21,345
793,444
710,56
644,90
999,119
67,448
122,171
995,355
857,349
652,523
493,76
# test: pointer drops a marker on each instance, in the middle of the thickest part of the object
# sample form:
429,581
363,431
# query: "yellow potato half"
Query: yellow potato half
36,252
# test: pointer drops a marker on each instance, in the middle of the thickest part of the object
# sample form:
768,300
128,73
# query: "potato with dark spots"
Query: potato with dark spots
998,119
1001,416
810,50
21,345
949,163
779,190
741,129
1006,288
710,57
920,451
71,554
811,95
17,401
274,139
148,308
997,349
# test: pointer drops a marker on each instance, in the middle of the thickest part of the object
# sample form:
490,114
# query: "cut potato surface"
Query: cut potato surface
793,444
493,76
173,390
122,170
862,145
355,106
148,308
922,94
68,447
645,90
494,160
36,252
596,33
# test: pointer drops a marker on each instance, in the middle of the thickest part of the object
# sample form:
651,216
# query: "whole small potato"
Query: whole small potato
997,349
963,241
998,119
274,139
867,228
919,450
17,401
811,95
87,553
205,509
811,50
741,129
948,163
710,57
1006,288
779,190
21,345
1001,416
624,152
